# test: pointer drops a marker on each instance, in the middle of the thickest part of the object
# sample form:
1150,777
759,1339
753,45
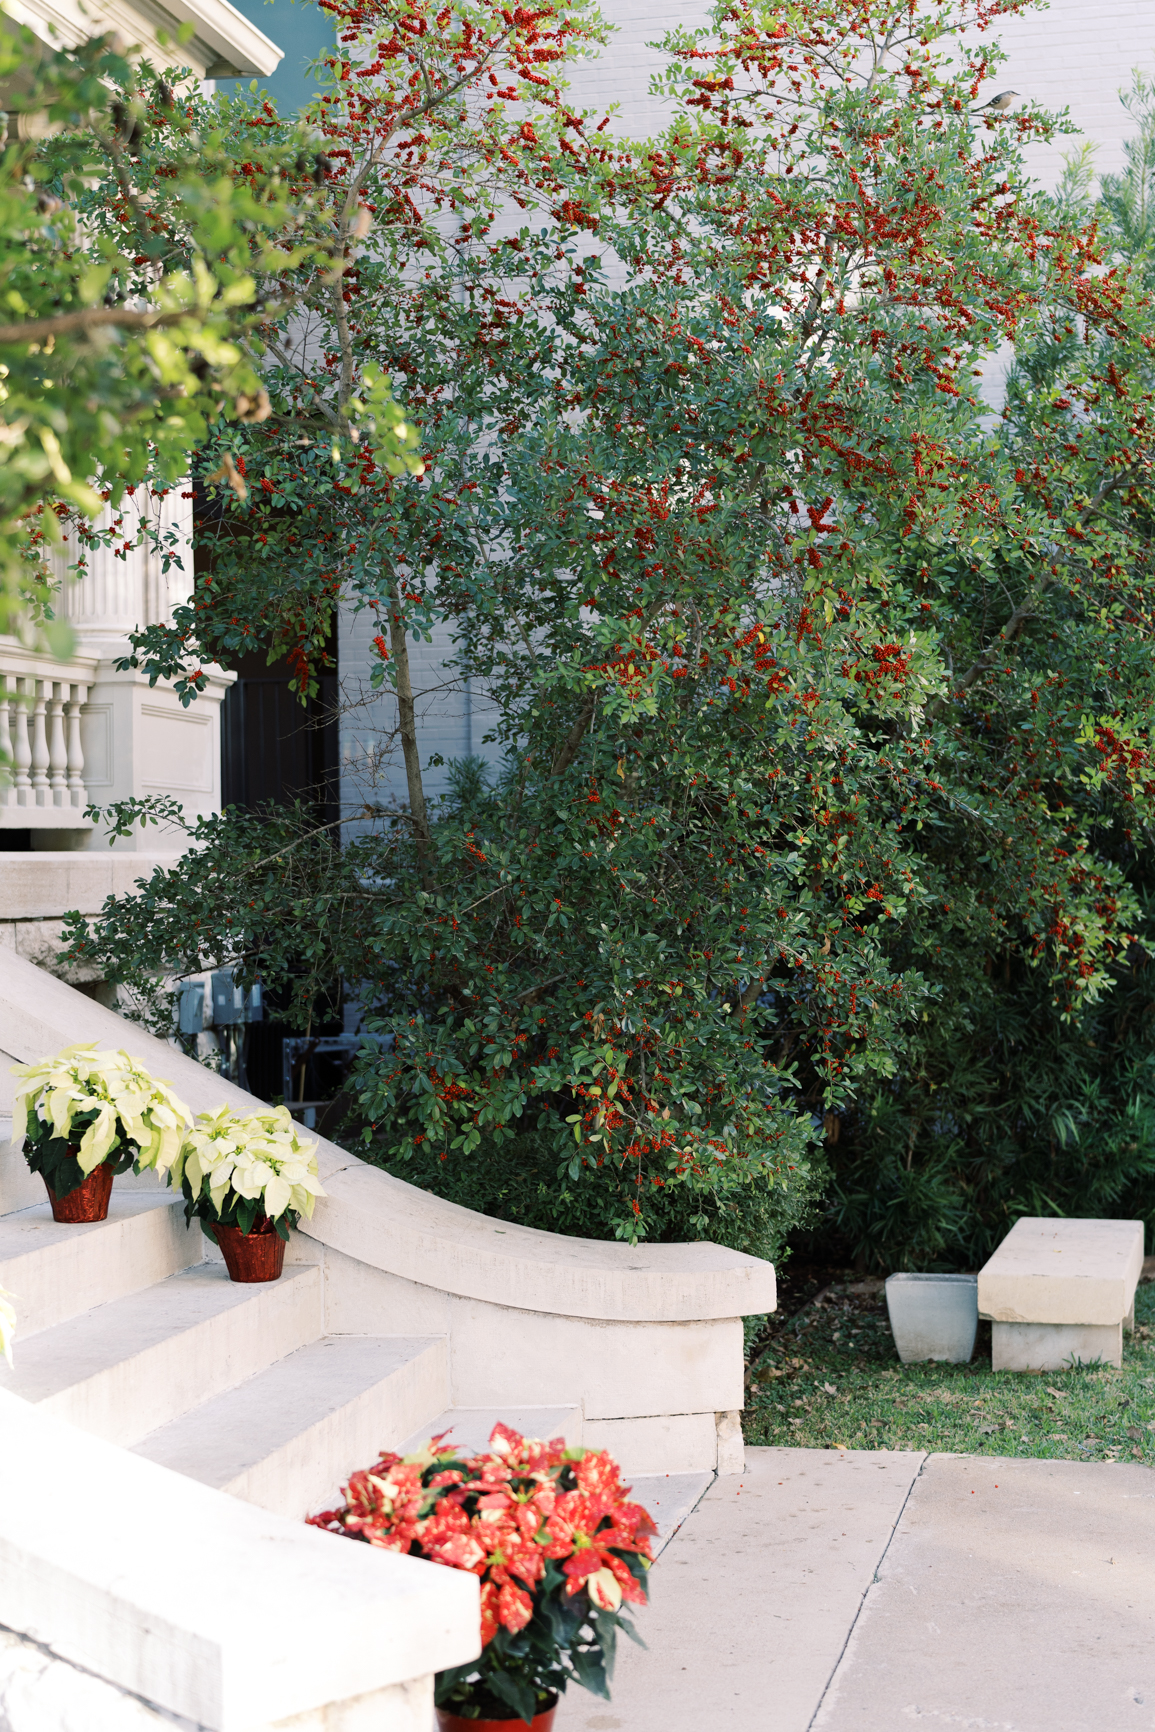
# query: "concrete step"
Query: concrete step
669,1498
125,1368
470,1426
56,1272
289,1438
20,1189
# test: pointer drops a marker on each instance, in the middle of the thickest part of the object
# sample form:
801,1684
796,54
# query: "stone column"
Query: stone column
40,758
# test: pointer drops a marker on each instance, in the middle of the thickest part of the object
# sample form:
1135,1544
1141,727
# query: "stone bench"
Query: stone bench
1057,1291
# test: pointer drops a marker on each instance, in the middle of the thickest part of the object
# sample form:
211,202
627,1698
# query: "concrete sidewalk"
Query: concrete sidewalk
869,1591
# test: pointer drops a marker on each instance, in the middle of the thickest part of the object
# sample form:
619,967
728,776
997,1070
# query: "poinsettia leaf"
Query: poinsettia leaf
53,1158
561,1628
637,1566
448,1681
605,1623
516,1694
627,1628
590,1669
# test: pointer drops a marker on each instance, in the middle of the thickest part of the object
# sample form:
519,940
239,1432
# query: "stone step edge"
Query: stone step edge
285,1471
57,1270
247,1330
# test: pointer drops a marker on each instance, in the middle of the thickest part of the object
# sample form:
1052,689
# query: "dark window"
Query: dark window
275,749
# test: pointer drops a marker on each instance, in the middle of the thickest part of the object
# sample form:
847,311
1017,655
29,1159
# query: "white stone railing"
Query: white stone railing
166,1603
41,699
647,1339
88,731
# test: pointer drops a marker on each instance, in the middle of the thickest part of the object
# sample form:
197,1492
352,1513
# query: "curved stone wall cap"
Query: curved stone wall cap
382,1221
40,1014
394,1226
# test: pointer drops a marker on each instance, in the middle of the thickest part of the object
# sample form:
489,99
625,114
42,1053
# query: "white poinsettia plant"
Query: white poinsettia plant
234,1170
82,1106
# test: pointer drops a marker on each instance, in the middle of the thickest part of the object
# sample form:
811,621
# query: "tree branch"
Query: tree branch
575,736
112,147
345,340
146,319
60,324
533,991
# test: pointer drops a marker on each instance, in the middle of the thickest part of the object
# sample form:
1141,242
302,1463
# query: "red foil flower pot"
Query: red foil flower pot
258,1255
450,1722
88,1202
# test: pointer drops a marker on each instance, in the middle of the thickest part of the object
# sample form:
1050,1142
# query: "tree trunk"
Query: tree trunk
407,720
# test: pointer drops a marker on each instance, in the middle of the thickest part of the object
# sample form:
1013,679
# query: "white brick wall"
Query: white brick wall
452,717
1069,54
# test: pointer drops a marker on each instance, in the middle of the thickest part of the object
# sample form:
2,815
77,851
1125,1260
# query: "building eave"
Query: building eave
224,43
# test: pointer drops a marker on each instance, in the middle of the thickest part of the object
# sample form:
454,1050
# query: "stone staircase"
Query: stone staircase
198,1420
131,1329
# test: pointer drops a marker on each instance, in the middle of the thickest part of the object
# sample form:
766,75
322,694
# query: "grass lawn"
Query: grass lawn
823,1371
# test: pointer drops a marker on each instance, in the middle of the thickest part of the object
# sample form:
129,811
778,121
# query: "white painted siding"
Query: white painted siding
453,717
1071,55
1068,54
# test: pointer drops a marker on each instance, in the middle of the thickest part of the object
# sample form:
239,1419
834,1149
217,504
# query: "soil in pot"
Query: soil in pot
447,1721
258,1255
88,1201
933,1316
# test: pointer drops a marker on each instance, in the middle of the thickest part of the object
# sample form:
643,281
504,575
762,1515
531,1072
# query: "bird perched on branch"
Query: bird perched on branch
997,104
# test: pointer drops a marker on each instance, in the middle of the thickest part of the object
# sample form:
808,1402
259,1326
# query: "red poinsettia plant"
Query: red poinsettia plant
552,1533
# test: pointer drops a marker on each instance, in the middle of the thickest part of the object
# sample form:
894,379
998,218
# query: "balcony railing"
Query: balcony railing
41,756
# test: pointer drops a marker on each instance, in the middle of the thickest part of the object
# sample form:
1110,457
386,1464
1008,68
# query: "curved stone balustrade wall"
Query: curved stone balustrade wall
646,1339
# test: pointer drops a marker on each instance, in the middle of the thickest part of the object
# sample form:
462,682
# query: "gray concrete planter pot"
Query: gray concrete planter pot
933,1316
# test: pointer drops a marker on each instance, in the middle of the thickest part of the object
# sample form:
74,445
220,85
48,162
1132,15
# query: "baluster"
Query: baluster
7,766
77,793
40,758
21,750
57,750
